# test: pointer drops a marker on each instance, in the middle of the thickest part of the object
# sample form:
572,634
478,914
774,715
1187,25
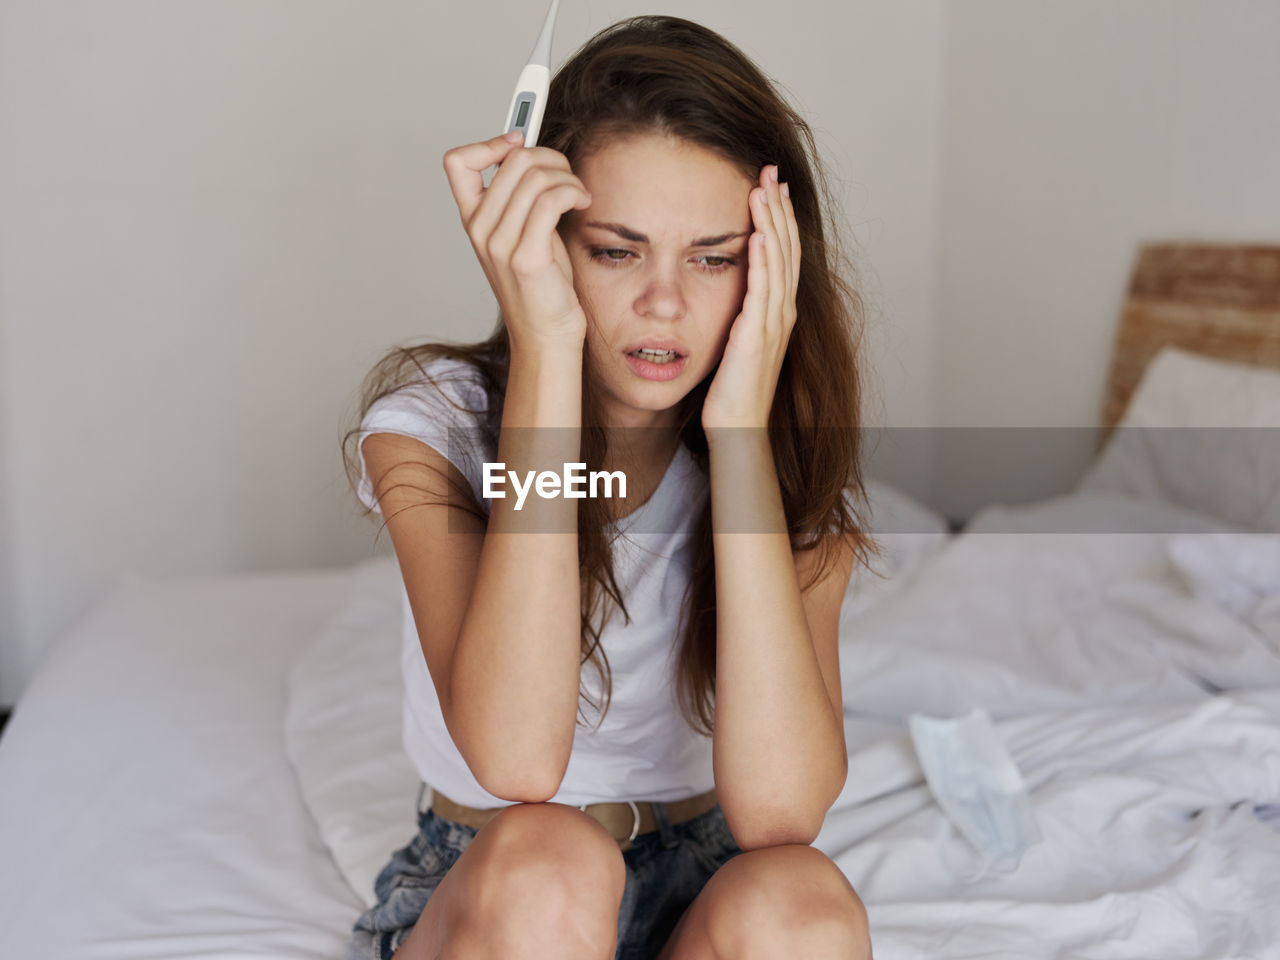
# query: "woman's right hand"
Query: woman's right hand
512,226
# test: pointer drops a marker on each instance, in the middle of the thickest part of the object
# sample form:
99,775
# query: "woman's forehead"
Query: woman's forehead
661,186
646,157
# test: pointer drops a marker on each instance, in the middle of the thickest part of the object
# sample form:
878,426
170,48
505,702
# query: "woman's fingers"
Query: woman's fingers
538,189
774,257
756,301
785,224
465,166
782,217
793,232
513,172
545,212
512,228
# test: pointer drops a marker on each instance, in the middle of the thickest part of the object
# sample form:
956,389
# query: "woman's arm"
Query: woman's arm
497,609
780,758
779,733
514,681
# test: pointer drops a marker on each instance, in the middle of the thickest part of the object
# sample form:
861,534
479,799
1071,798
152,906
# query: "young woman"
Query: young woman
628,708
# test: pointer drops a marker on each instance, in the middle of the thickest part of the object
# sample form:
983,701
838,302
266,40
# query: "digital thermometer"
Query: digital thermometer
530,98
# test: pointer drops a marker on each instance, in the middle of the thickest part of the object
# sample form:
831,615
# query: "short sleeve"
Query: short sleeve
445,412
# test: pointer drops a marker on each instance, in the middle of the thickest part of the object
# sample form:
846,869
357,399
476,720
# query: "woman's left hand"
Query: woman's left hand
741,392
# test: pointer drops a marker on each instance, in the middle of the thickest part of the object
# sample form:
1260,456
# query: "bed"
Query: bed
212,768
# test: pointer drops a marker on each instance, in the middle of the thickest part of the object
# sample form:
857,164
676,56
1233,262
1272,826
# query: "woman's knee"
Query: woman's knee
788,901
545,869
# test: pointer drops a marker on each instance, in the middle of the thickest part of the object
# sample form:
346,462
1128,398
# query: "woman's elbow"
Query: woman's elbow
519,781
780,828
517,790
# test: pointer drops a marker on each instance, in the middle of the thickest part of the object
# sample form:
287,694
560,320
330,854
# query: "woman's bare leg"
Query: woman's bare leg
540,880
771,904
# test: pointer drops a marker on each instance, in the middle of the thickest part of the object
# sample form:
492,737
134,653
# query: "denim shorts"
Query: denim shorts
666,869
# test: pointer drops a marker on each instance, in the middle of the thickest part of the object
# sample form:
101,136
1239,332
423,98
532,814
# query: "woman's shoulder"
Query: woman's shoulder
443,404
445,391
460,382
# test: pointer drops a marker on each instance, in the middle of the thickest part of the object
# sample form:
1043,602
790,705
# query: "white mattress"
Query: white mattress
146,806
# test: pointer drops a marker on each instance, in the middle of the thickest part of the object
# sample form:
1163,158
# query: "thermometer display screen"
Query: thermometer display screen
523,114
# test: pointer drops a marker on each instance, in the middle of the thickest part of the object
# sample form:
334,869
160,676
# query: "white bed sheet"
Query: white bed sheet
1145,721
147,809
160,817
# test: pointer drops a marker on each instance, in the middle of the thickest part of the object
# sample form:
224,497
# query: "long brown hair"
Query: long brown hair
669,76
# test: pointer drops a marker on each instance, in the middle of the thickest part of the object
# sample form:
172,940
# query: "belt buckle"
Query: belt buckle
635,819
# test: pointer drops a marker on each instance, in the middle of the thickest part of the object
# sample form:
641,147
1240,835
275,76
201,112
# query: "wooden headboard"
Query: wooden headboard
1217,300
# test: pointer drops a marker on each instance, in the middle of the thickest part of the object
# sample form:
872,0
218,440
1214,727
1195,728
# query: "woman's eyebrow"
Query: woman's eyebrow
634,237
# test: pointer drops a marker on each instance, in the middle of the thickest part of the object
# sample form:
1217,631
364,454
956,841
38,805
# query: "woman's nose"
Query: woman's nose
661,296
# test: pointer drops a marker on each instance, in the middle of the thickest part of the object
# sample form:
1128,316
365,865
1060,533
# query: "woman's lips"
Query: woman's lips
658,343
656,371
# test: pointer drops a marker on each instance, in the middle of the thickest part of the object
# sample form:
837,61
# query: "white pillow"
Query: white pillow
906,531
905,528
1200,433
342,729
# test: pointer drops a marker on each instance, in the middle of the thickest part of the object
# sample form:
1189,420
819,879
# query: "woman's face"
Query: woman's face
660,262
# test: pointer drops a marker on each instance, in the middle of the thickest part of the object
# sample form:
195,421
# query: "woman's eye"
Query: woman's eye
721,263
616,256
606,255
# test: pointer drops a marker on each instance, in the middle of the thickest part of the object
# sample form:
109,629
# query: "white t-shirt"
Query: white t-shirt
644,749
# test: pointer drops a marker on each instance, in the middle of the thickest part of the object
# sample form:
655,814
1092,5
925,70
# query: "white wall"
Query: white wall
216,215
1072,132
11,666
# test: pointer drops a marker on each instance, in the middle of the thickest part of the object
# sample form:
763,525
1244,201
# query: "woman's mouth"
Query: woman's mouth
656,356
651,364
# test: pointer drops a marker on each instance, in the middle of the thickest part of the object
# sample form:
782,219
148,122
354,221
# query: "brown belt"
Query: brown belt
625,821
